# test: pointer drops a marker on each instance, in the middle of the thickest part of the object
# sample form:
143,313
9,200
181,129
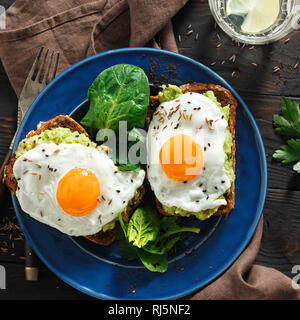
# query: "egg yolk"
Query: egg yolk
181,158
77,192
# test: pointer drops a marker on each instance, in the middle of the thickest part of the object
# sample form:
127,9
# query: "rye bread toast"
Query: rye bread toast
223,96
62,121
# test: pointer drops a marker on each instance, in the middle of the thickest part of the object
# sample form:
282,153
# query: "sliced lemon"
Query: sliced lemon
258,14
262,16
239,7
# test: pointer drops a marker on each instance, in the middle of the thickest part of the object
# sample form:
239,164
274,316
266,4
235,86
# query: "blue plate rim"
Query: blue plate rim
262,155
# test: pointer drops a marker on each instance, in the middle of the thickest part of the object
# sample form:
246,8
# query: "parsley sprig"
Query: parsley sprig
288,123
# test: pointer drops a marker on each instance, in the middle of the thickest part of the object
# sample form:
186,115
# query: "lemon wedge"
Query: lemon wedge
239,7
258,14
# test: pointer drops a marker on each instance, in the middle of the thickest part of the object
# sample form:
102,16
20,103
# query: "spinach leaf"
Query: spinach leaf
135,135
153,262
129,166
169,227
162,246
143,227
150,238
123,225
169,234
127,250
119,93
136,154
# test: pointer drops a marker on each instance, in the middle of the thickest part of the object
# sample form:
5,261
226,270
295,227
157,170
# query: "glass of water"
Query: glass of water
256,21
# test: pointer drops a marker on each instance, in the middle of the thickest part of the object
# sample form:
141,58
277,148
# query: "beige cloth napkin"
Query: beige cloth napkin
80,28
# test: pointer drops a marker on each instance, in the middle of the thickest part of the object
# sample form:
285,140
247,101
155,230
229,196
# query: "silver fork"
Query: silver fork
38,78
36,81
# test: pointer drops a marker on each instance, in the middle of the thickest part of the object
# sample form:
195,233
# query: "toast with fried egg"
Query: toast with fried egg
62,121
225,98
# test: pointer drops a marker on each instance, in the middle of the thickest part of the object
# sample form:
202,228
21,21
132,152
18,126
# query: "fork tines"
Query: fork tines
41,68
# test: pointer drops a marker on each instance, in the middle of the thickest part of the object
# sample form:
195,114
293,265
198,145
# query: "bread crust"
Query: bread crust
62,121
59,121
225,97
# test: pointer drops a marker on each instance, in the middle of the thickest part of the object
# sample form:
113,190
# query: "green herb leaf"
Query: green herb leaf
119,93
289,122
288,153
143,226
296,167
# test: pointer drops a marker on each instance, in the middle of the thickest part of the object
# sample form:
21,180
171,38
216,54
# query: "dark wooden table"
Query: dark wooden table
249,69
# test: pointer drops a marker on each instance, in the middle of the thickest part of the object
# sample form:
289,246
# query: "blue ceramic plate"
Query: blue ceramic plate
199,259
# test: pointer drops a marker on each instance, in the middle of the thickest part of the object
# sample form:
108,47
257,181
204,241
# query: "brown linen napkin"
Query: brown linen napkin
80,28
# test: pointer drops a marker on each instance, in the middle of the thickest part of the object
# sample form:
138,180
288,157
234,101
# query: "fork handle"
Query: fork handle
31,263
5,163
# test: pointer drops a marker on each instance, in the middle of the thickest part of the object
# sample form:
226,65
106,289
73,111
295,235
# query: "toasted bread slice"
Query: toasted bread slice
62,121
223,96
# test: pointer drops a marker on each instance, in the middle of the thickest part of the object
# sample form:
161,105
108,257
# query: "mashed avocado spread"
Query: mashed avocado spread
168,93
171,92
112,224
57,136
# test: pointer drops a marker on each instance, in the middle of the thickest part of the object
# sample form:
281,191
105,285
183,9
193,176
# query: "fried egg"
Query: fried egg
185,156
73,188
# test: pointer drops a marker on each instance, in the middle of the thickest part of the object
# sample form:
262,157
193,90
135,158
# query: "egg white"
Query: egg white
39,170
199,117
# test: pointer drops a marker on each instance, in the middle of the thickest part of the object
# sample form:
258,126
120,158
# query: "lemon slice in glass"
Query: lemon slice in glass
258,14
239,7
